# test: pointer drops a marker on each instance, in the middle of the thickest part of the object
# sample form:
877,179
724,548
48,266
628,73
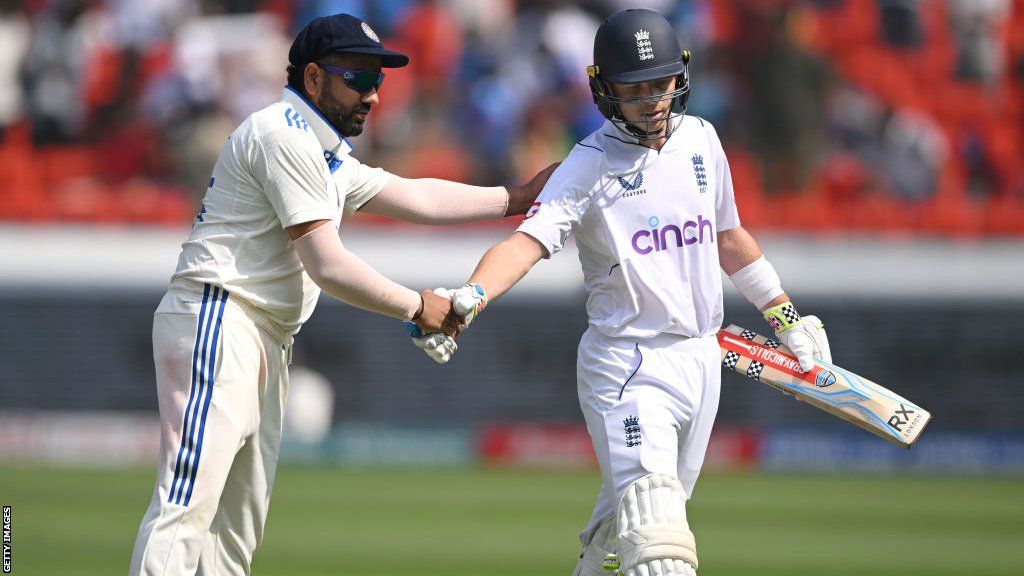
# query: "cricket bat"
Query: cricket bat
831,388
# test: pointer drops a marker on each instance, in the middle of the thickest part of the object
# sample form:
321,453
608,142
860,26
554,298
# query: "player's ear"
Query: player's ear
313,80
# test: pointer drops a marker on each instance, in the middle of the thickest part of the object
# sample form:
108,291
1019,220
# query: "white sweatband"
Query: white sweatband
758,282
349,278
435,201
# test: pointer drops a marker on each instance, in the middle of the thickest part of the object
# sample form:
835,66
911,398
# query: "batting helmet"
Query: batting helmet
656,55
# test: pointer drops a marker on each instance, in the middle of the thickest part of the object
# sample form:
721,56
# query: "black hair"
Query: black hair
296,78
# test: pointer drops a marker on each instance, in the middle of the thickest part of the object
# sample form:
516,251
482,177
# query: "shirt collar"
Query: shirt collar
325,133
625,154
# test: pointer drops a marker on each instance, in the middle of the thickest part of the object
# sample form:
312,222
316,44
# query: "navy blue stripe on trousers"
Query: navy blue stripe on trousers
192,392
209,394
204,357
192,411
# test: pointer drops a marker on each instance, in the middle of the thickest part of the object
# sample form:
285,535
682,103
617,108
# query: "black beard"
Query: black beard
342,118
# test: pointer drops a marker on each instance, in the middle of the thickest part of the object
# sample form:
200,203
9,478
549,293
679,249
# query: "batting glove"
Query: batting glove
805,337
469,301
439,346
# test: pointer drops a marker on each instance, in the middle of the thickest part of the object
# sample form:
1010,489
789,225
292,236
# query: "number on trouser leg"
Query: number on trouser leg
654,538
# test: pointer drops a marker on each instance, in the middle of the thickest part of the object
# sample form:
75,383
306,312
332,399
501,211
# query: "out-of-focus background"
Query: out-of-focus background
875,147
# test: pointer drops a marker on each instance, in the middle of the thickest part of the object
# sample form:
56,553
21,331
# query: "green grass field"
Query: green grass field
451,523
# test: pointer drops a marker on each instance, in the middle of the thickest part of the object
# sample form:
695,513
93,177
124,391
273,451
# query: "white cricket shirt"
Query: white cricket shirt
645,225
284,165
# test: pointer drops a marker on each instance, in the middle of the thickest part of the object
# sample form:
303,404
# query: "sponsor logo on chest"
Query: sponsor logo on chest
658,238
634,188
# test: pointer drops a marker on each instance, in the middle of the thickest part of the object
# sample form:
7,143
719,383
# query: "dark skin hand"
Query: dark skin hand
520,198
438,316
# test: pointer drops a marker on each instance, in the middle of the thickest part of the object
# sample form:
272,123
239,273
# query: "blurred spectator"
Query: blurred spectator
430,32
14,37
900,22
786,88
144,25
488,20
981,174
63,38
913,151
714,94
856,119
979,55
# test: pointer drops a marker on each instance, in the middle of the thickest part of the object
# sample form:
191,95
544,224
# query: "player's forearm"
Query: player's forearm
348,278
434,201
741,258
506,263
736,249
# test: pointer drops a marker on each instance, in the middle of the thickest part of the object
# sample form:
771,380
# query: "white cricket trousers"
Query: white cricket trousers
649,406
222,377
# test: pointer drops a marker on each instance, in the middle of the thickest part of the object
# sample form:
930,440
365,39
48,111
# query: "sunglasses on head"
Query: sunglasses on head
361,81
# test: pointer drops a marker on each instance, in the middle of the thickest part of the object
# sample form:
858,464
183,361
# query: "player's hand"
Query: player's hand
440,347
468,302
437,315
520,198
805,336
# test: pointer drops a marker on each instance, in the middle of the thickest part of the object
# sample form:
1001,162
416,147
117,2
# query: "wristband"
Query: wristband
758,282
483,296
782,317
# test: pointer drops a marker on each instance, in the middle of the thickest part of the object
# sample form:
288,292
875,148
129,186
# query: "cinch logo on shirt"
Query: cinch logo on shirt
657,239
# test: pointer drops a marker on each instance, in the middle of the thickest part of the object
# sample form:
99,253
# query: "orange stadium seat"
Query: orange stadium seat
20,186
59,164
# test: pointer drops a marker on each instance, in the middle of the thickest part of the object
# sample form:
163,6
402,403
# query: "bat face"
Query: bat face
831,388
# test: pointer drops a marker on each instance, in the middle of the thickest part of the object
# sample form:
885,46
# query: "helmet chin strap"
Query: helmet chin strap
649,134
631,129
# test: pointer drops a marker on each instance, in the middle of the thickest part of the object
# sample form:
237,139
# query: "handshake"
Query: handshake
445,316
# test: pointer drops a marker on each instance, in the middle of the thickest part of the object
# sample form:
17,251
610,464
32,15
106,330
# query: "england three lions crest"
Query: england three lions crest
699,173
632,426
644,49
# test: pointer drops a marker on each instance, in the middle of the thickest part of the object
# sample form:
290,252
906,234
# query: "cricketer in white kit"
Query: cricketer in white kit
261,249
650,202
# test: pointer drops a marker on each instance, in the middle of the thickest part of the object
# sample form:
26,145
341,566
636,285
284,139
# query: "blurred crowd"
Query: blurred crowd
903,115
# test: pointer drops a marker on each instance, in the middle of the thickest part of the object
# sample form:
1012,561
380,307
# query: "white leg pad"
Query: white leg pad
602,543
654,538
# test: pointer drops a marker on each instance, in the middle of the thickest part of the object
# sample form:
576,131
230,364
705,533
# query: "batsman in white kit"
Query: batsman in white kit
261,249
649,199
